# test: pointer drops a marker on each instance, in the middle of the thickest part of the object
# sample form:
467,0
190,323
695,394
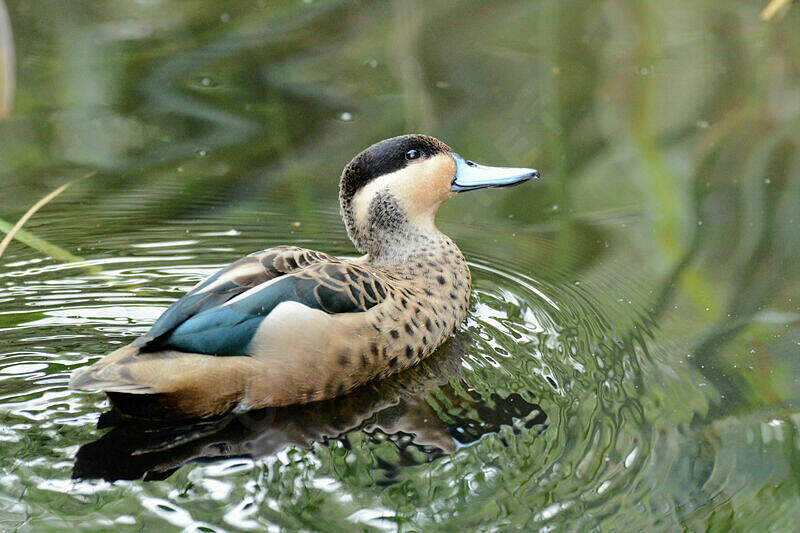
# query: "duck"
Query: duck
289,325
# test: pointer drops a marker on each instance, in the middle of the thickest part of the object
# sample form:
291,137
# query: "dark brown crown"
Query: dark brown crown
383,158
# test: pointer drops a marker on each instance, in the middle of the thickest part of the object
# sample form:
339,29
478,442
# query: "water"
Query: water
630,360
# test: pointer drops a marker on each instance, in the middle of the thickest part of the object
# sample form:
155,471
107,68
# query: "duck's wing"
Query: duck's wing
227,329
238,277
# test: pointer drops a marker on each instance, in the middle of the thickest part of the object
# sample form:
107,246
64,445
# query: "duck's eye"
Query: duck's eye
471,164
413,154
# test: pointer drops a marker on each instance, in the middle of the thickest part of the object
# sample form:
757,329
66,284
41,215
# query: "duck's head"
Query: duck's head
394,188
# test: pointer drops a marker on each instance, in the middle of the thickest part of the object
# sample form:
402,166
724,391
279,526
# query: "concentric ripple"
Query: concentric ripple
546,406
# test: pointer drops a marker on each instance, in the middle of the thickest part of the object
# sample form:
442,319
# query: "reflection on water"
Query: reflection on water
395,410
630,356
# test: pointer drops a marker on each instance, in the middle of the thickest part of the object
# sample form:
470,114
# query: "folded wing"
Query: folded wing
240,276
227,329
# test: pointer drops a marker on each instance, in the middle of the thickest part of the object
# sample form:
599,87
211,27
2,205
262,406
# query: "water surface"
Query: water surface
631,356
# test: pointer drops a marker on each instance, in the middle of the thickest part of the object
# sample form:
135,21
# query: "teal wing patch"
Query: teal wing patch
239,277
333,287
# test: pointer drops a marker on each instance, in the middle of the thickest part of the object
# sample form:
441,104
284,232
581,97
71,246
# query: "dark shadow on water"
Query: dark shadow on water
426,412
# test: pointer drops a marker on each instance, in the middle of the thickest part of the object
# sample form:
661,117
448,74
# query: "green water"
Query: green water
631,359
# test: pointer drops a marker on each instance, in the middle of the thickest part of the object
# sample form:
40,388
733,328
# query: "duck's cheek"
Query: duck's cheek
424,199
443,173
432,182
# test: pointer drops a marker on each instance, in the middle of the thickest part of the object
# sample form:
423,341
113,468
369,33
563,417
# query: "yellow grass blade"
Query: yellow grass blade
38,205
37,243
773,7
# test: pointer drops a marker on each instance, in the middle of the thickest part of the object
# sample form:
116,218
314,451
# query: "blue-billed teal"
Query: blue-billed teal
289,325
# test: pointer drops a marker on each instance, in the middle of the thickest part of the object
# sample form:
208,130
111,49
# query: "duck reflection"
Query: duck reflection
429,409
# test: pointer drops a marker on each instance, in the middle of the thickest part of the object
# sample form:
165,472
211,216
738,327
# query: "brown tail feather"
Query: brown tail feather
167,384
105,374
83,379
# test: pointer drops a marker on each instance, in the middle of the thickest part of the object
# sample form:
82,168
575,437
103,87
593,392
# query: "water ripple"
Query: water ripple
552,393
